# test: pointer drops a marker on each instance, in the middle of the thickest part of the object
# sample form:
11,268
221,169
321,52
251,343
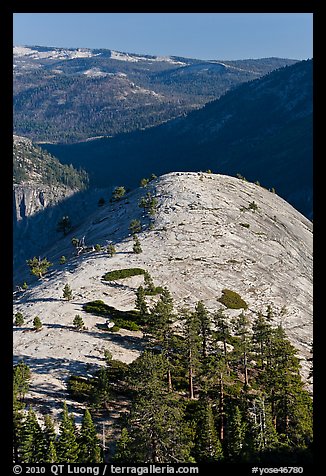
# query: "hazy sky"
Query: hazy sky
196,35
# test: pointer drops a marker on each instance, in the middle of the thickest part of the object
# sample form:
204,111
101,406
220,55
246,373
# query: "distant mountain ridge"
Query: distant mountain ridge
261,129
70,95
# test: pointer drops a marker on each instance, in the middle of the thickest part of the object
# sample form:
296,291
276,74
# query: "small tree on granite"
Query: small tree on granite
19,319
137,246
118,194
38,266
67,292
78,322
64,225
141,304
37,323
25,286
111,250
149,283
135,226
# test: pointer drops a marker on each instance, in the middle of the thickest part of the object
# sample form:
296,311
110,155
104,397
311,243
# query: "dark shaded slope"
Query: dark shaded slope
262,129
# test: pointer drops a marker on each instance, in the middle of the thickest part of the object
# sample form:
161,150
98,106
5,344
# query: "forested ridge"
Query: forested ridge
205,389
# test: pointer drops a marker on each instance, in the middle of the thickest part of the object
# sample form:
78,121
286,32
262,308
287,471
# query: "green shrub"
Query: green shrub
232,300
122,273
99,308
115,328
98,247
79,388
63,260
129,325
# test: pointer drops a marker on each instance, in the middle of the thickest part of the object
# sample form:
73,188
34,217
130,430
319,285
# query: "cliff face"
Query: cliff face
42,190
31,199
209,232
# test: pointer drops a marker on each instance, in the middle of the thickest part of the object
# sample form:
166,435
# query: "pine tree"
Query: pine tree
208,448
241,329
204,326
235,434
291,405
149,283
67,292
123,452
38,266
136,246
160,324
67,446
90,451
51,454
19,319
158,431
37,323
49,434
32,440
260,432
21,379
64,225
156,426
101,393
261,330
78,322
193,345
111,251
135,226
118,193
141,304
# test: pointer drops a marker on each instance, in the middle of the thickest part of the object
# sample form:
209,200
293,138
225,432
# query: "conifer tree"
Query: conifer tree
67,292
204,326
235,435
111,251
193,346
156,426
123,452
38,266
261,330
160,323
149,283
37,323
19,319
90,451
51,454
135,226
291,405
101,394
141,304
67,446
241,329
78,322
136,246
64,225
208,448
49,436
32,440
